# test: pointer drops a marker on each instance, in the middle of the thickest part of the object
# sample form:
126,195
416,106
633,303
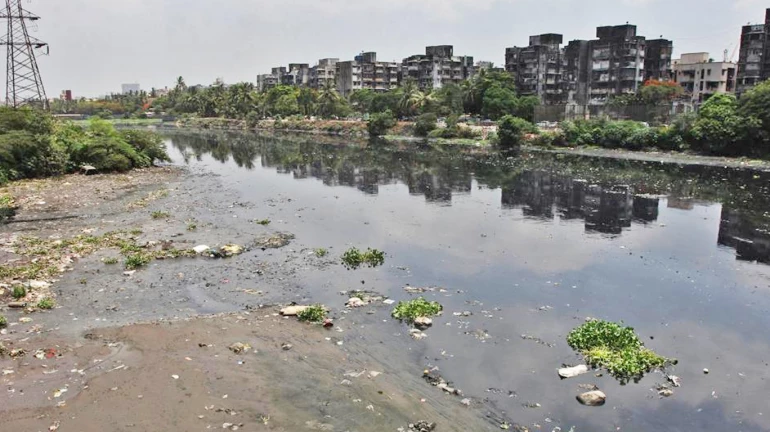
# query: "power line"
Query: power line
24,85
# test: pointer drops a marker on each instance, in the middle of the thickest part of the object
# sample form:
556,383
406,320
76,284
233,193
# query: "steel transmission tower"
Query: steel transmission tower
24,86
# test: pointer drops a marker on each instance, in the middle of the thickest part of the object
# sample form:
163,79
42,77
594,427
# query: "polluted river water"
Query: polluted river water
520,250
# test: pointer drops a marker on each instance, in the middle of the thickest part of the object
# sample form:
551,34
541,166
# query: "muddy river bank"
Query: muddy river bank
518,251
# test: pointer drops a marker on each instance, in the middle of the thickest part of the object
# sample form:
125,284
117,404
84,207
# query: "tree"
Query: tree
756,103
425,124
306,100
655,92
328,99
363,100
498,101
380,123
720,130
511,130
411,98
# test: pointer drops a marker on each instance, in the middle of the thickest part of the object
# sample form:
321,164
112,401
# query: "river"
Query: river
531,245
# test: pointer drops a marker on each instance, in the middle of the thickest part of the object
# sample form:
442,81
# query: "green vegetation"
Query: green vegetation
19,292
614,347
158,214
425,124
262,222
46,303
380,123
354,258
7,206
33,144
3,321
511,130
136,260
320,252
191,225
412,309
315,313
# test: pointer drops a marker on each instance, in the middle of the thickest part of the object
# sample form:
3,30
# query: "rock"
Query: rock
129,272
571,372
200,249
592,398
706,371
354,302
422,426
286,346
231,249
36,284
675,380
423,322
240,348
293,310
328,323
17,305
25,320
388,301
417,334
665,392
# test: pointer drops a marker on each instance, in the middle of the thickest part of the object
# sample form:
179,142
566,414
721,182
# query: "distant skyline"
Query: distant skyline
97,45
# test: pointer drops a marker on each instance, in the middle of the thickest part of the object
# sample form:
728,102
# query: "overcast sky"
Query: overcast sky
98,44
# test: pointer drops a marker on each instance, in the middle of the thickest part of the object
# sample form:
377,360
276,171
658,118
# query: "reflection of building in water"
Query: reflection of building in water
607,210
745,233
680,203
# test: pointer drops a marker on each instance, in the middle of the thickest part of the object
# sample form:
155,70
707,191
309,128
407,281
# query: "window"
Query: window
708,72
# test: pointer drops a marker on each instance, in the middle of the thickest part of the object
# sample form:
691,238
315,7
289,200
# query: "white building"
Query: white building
130,88
701,77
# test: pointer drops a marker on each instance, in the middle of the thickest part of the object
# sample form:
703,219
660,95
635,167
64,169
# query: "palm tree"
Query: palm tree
180,84
328,98
410,97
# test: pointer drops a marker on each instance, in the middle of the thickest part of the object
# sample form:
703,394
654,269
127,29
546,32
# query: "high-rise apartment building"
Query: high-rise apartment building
754,57
701,77
298,74
324,72
365,72
537,68
438,66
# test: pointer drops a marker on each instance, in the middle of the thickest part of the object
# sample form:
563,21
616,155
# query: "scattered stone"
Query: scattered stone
531,405
25,320
675,380
355,302
463,313
417,334
571,372
705,371
293,310
388,301
201,249
129,272
328,323
592,398
240,348
16,353
665,392
422,426
276,241
36,284
423,322
287,346
230,250
466,402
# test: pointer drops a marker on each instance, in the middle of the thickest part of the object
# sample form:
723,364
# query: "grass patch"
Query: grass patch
354,258
191,225
315,313
160,214
152,196
410,310
111,261
134,261
46,303
262,222
615,348
19,292
7,206
3,321
320,252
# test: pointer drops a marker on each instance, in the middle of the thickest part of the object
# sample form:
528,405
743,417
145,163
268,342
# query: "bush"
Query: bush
380,123
551,139
146,143
410,310
511,130
354,258
425,124
315,313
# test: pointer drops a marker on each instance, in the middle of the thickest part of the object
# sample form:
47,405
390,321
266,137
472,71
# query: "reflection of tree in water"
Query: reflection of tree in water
606,194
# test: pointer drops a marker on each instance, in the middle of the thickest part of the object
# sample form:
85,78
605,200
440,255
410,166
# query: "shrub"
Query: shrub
511,130
147,144
136,260
46,303
320,252
315,313
354,258
19,292
614,347
551,139
425,124
3,321
410,310
380,123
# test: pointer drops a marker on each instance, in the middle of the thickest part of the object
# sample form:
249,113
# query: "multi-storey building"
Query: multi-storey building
438,66
324,72
701,77
537,68
614,64
657,60
754,57
298,74
365,72
267,81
